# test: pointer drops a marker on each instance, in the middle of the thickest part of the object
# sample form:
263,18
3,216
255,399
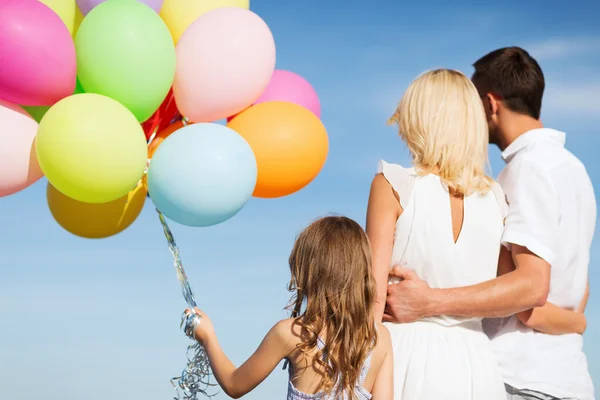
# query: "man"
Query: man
548,229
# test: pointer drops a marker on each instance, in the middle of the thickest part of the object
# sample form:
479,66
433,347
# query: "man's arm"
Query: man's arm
522,289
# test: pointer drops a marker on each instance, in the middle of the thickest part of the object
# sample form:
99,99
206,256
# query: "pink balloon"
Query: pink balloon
225,60
291,88
37,54
18,162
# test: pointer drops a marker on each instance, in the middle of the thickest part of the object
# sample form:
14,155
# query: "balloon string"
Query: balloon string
188,294
195,378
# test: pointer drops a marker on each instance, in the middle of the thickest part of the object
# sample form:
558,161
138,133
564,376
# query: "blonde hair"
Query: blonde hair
331,275
442,120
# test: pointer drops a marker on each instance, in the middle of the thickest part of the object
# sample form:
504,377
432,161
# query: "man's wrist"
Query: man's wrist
435,304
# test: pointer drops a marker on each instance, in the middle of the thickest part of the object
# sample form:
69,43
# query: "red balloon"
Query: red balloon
166,114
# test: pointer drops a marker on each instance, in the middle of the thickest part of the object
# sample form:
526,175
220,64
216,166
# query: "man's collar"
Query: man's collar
532,136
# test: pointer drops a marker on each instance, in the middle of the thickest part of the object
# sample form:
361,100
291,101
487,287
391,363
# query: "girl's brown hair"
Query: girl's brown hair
331,276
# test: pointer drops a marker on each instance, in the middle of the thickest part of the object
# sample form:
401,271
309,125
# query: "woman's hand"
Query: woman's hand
204,330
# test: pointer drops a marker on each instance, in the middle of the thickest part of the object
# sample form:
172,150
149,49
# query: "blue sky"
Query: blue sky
100,319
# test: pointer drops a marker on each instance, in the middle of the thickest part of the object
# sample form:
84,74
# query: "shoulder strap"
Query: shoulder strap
320,345
365,370
401,179
367,364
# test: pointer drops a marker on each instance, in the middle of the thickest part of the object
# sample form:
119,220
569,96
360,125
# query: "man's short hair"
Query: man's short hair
513,75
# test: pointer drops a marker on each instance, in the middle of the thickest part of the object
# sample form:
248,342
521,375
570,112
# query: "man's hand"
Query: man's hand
408,297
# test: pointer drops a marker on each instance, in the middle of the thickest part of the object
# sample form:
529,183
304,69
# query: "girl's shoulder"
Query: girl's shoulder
287,329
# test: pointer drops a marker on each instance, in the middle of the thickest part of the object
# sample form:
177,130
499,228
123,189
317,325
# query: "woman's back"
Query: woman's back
448,242
431,238
447,228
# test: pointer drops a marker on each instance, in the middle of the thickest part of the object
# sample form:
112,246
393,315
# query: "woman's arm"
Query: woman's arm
549,318
382,213
236,382
383,389
553,320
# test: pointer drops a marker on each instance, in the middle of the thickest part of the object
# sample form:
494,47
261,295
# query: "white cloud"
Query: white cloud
557,48
579,98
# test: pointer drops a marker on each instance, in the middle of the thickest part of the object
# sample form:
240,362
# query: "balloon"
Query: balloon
18,162
37,54
162,135
38,113
91,148
125,52
163,117
96,221
78,21
179,14
291,88
87,5
290,144
225,60
202,175
65,9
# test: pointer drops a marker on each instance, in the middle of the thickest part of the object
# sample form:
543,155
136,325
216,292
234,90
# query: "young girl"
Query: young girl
332,344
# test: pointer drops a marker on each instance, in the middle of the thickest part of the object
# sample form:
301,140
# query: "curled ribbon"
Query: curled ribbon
195,378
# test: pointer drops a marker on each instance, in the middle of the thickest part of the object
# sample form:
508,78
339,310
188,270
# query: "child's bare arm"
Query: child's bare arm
236,382
384,382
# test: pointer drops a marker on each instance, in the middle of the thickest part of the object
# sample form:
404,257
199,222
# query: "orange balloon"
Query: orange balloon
162,135
289,142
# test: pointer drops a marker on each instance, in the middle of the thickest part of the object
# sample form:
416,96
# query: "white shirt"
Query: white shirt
552,212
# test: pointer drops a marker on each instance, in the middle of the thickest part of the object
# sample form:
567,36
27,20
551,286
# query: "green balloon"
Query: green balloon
38,112
126,52
78,87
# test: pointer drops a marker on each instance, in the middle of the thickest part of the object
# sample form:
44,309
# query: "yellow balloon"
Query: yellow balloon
179,14
65,10
96,221
91,148
78,20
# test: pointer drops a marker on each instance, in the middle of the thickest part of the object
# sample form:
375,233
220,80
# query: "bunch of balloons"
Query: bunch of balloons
114,99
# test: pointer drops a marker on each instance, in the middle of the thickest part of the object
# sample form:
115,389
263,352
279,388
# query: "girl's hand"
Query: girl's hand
204,330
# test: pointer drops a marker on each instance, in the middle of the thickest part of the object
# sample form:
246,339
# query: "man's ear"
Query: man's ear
493,103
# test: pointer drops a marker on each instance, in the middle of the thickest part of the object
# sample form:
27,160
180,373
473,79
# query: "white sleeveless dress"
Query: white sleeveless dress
446,357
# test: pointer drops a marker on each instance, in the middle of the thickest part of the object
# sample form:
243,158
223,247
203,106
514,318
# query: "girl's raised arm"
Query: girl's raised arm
236,382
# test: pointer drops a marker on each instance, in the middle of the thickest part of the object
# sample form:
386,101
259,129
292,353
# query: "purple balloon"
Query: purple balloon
86,5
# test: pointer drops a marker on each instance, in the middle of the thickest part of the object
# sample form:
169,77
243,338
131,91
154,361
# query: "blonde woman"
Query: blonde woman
444,219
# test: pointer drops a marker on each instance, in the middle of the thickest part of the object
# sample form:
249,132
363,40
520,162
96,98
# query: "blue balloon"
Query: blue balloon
202,174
